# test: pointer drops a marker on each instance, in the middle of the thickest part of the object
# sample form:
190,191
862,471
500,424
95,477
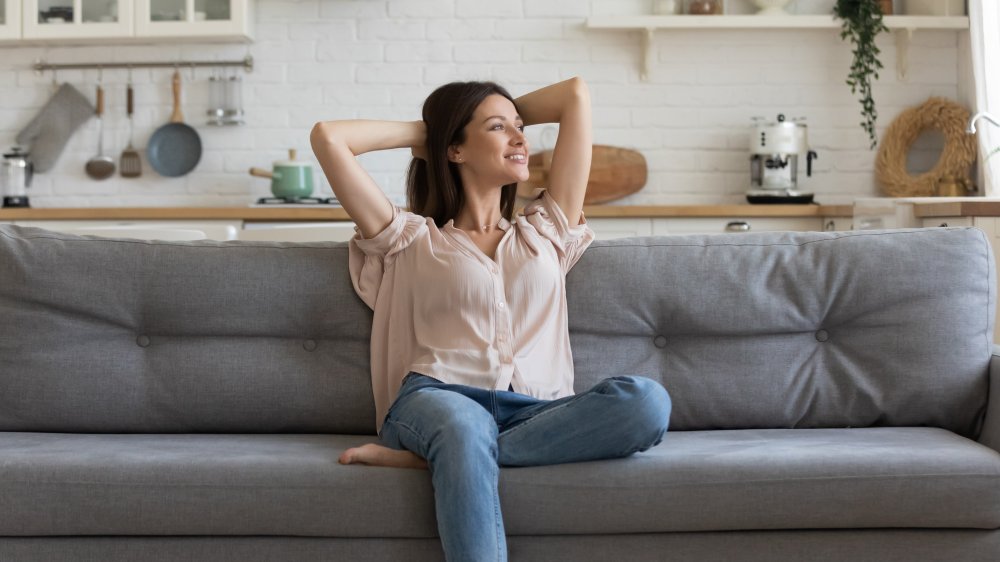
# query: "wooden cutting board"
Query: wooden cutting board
614,173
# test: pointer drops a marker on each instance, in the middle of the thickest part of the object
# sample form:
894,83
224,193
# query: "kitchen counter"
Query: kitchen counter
988,208
328,213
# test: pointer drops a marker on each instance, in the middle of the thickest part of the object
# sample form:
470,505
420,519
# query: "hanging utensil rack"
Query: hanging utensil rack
246,63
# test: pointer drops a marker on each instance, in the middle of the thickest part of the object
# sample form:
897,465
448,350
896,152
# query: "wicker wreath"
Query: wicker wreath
959,149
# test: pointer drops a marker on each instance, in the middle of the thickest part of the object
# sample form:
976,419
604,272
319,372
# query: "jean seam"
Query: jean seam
497,517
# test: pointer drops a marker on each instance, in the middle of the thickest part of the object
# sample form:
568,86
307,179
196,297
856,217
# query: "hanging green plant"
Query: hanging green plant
862,24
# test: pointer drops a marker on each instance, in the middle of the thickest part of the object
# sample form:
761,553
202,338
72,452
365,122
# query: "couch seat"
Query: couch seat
291,484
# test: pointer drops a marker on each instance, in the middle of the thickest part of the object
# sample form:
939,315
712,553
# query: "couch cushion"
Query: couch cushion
794,329
119,336
763,330
60,484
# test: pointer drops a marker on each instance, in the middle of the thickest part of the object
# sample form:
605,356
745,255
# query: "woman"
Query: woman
470,343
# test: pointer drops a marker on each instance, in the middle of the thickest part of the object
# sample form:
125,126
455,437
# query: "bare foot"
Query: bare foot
377,455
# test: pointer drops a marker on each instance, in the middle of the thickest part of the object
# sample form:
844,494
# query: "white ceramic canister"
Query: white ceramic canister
934,7
668,7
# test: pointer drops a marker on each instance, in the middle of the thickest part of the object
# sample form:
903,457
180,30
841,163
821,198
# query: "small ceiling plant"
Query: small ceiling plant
862,22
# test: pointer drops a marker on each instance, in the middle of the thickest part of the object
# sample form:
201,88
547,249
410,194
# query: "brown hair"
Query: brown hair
434,187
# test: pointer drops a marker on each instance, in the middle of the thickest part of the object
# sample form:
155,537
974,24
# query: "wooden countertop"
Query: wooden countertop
322,213
958,209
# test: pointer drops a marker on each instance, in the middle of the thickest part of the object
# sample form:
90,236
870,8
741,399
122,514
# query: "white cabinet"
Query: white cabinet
956,221
109,20
837,224
334,231
723,225
609,228
77,19
193,18
144,229
10,19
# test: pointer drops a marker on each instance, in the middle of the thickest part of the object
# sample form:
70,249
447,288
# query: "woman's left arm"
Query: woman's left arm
566,103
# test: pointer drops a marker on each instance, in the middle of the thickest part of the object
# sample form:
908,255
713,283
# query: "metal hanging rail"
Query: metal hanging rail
246,63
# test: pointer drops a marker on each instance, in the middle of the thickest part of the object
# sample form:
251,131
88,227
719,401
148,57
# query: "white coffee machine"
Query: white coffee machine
775,148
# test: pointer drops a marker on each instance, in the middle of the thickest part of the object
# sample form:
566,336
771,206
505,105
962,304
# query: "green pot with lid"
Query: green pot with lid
290,179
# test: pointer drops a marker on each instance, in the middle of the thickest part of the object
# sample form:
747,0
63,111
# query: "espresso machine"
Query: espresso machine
775,148
15,178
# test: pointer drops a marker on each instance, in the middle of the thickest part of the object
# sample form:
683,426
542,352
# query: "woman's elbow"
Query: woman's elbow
580,88
323,133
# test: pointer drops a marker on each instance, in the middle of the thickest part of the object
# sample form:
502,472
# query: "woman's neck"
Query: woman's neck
480,214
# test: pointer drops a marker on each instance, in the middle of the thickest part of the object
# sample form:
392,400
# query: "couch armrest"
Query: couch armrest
990,435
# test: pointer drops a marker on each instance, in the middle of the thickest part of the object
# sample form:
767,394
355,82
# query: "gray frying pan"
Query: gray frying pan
175,148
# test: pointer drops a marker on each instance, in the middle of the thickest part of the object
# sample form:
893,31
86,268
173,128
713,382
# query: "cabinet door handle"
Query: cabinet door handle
738,226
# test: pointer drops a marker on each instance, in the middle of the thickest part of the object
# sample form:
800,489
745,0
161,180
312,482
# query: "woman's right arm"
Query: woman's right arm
337,145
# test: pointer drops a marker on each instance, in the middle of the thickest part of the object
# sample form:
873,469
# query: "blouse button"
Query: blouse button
500,304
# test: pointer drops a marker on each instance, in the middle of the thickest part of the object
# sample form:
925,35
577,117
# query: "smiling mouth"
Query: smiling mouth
518,158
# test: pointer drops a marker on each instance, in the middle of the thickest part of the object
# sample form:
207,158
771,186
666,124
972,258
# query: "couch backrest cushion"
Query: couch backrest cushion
745,331
794,330
101,335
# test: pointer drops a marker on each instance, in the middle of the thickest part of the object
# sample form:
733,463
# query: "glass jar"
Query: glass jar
705,7
166,10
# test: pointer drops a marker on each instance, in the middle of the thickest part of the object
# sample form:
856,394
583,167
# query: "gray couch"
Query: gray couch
188,401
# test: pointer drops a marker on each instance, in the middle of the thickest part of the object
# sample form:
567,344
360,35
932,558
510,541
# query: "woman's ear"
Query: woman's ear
454,155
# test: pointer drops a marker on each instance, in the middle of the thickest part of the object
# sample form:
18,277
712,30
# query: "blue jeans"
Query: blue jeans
466,434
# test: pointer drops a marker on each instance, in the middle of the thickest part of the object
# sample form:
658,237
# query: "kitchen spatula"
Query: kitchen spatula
130,163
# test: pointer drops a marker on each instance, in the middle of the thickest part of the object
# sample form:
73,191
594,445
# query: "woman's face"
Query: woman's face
495,151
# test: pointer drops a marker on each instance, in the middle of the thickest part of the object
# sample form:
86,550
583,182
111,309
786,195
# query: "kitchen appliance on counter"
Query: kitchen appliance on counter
16,172
775,148
291,180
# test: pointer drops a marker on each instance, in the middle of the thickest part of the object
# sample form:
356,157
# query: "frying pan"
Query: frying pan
175,148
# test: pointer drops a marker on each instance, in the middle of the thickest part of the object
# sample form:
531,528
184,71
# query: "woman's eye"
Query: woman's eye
521,128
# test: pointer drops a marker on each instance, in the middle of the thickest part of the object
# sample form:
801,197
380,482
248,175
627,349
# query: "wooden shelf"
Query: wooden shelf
902,26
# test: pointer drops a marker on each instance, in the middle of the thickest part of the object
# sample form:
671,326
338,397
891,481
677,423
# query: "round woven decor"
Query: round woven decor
958,154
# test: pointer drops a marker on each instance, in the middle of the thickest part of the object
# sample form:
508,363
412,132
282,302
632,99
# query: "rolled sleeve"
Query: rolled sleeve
368,257
549,221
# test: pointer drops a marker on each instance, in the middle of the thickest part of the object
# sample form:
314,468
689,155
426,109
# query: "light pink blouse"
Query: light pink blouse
443,308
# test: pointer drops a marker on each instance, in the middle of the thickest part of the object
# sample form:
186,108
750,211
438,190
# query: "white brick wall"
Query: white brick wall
378,59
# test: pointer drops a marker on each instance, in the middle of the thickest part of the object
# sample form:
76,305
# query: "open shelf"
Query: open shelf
766,22
902,26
